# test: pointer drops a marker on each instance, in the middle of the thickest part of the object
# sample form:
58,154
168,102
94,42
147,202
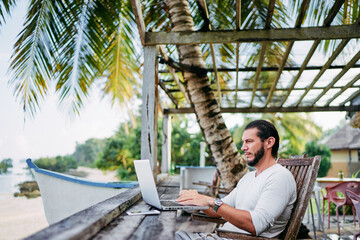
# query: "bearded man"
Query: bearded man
262,201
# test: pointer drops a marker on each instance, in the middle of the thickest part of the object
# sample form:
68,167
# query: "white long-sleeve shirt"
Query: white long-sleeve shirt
269,197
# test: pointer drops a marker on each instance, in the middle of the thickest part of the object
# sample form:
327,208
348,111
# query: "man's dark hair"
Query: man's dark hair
265,130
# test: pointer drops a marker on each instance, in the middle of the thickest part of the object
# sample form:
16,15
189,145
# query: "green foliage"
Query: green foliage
69,45
186,146
86,154
127,174
114,154
57,164
355,174
313,149
120,151
5,164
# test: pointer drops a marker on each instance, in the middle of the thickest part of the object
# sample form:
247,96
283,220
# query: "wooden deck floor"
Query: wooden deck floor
347,229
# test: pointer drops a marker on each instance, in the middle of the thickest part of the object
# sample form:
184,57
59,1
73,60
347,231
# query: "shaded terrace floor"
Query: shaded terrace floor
347,229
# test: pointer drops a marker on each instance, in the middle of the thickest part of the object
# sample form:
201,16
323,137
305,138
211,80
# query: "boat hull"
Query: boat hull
65,195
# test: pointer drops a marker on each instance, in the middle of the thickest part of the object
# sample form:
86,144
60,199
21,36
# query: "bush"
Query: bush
313,149
5,164
87,153
126,174
57,164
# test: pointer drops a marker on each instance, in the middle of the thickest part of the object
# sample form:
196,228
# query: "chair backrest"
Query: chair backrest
355,198
333,190
305,171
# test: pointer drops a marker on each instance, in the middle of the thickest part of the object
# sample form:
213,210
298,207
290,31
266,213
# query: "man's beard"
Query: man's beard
258,155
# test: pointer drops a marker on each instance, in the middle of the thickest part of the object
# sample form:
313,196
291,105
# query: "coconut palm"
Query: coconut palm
71,45
230,165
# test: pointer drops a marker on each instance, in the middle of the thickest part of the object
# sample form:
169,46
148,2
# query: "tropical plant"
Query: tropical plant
72,44
355,174
57,164
312,149
186,145
86,153
5,164
114,154
121,149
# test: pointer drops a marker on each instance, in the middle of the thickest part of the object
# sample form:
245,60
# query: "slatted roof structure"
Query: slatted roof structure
304,80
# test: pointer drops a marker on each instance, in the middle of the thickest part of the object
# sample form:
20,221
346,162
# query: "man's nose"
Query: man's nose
243,147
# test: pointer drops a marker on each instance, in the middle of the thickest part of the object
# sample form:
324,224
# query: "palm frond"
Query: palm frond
76,60
156,15
5,9
32,58
122,68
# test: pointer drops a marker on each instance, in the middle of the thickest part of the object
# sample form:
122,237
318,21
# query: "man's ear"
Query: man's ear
270,142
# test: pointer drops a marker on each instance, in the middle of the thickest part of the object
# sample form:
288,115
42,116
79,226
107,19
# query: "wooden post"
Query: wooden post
149,108
166,144
202,154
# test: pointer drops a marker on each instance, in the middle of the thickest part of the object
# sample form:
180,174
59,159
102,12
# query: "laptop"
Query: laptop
149,191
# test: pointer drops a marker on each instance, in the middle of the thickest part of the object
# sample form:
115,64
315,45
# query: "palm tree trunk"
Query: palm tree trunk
230,165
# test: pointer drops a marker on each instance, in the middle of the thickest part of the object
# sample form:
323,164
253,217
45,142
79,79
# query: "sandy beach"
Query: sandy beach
20,217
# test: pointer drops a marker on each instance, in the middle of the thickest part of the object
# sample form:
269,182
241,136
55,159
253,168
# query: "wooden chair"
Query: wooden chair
213,188
305,171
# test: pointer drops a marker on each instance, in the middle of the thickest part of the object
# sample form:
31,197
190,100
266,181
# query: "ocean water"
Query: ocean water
15,175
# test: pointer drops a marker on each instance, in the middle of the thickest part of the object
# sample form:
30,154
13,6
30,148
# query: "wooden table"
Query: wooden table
327,181
108,219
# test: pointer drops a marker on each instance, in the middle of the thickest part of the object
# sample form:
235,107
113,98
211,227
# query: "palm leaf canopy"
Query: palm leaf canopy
69,45
73,44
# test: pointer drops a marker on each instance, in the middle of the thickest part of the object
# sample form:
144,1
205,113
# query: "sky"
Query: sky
54,132
51,132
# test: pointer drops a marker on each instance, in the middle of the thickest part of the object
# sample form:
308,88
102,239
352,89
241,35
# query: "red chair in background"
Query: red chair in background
326,198
355,198
337,194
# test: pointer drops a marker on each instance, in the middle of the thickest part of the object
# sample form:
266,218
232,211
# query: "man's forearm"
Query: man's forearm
239,218
210,213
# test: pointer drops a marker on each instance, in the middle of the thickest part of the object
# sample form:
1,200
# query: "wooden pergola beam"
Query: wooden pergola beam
205,14
353,96
343,89
136,6
338,77
341,46
254,35
302,68
237,47
324,68
173,73
299,20
264,69
267,89
168,93
332,13
268,20
269,109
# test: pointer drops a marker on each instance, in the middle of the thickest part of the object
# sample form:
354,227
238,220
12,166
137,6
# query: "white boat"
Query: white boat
63,195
